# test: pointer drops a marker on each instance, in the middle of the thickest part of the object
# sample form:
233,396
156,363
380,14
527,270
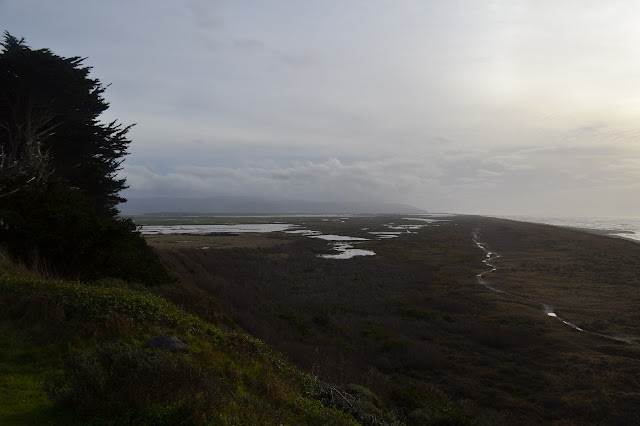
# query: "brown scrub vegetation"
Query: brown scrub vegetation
413,320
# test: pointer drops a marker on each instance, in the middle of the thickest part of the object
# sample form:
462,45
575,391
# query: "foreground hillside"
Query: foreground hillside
75,353
413,323
406,336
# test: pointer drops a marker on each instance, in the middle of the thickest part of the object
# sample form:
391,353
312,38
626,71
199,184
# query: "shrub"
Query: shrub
196,301
357,400
123,380
93,304
421,408
61,226
503,337
364,395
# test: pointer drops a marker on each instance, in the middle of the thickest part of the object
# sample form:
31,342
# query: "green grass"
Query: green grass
24,369
58,337
91,303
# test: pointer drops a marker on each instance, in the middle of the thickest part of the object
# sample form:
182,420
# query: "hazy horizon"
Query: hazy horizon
481,107
537,218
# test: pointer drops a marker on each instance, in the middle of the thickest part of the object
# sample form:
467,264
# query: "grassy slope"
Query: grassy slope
42,321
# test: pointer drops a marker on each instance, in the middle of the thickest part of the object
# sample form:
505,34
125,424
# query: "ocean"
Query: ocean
628,228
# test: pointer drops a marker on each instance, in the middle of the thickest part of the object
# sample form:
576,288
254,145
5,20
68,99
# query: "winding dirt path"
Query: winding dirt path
547,308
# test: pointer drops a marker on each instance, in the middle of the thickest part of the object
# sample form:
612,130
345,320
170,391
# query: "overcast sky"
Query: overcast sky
490,107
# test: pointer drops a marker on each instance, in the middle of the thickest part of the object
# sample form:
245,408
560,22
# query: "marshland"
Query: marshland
415,316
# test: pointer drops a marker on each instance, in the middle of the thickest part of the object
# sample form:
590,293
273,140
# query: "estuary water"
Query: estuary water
628,228
209,229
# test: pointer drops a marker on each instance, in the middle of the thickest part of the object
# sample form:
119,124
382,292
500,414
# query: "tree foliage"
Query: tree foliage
49,126
58,170
60,226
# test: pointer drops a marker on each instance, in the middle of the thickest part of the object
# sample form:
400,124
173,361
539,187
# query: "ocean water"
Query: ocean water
628,228
206,229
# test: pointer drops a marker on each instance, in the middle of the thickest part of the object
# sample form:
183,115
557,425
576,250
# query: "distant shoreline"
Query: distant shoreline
621,228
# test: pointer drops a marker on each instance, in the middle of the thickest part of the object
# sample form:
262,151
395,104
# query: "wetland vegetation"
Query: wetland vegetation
413,319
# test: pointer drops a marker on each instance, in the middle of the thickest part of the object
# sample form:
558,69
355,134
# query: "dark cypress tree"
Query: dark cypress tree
58,171
49,126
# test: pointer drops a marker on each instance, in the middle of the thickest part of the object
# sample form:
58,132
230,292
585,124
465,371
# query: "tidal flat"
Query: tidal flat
415,316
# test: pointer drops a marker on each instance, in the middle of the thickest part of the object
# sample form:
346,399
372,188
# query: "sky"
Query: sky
485,107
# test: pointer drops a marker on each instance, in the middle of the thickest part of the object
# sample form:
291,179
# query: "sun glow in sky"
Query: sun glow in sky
494,107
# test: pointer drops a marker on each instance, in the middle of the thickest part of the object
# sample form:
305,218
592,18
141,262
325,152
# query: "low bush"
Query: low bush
59,226
84,304
137,384
358,400
421,407
503,337
196,301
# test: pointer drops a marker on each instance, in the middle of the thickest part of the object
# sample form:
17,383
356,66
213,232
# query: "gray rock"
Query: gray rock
167,343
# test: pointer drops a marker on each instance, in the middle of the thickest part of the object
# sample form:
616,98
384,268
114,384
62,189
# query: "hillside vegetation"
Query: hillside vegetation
75,353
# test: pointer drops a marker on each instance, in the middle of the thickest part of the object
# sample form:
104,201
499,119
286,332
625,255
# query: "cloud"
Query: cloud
330,180
489,173
466,106
249,44
448,176
253,45
203,14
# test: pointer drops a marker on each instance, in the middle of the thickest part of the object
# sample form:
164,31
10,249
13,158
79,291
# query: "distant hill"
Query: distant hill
250,205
